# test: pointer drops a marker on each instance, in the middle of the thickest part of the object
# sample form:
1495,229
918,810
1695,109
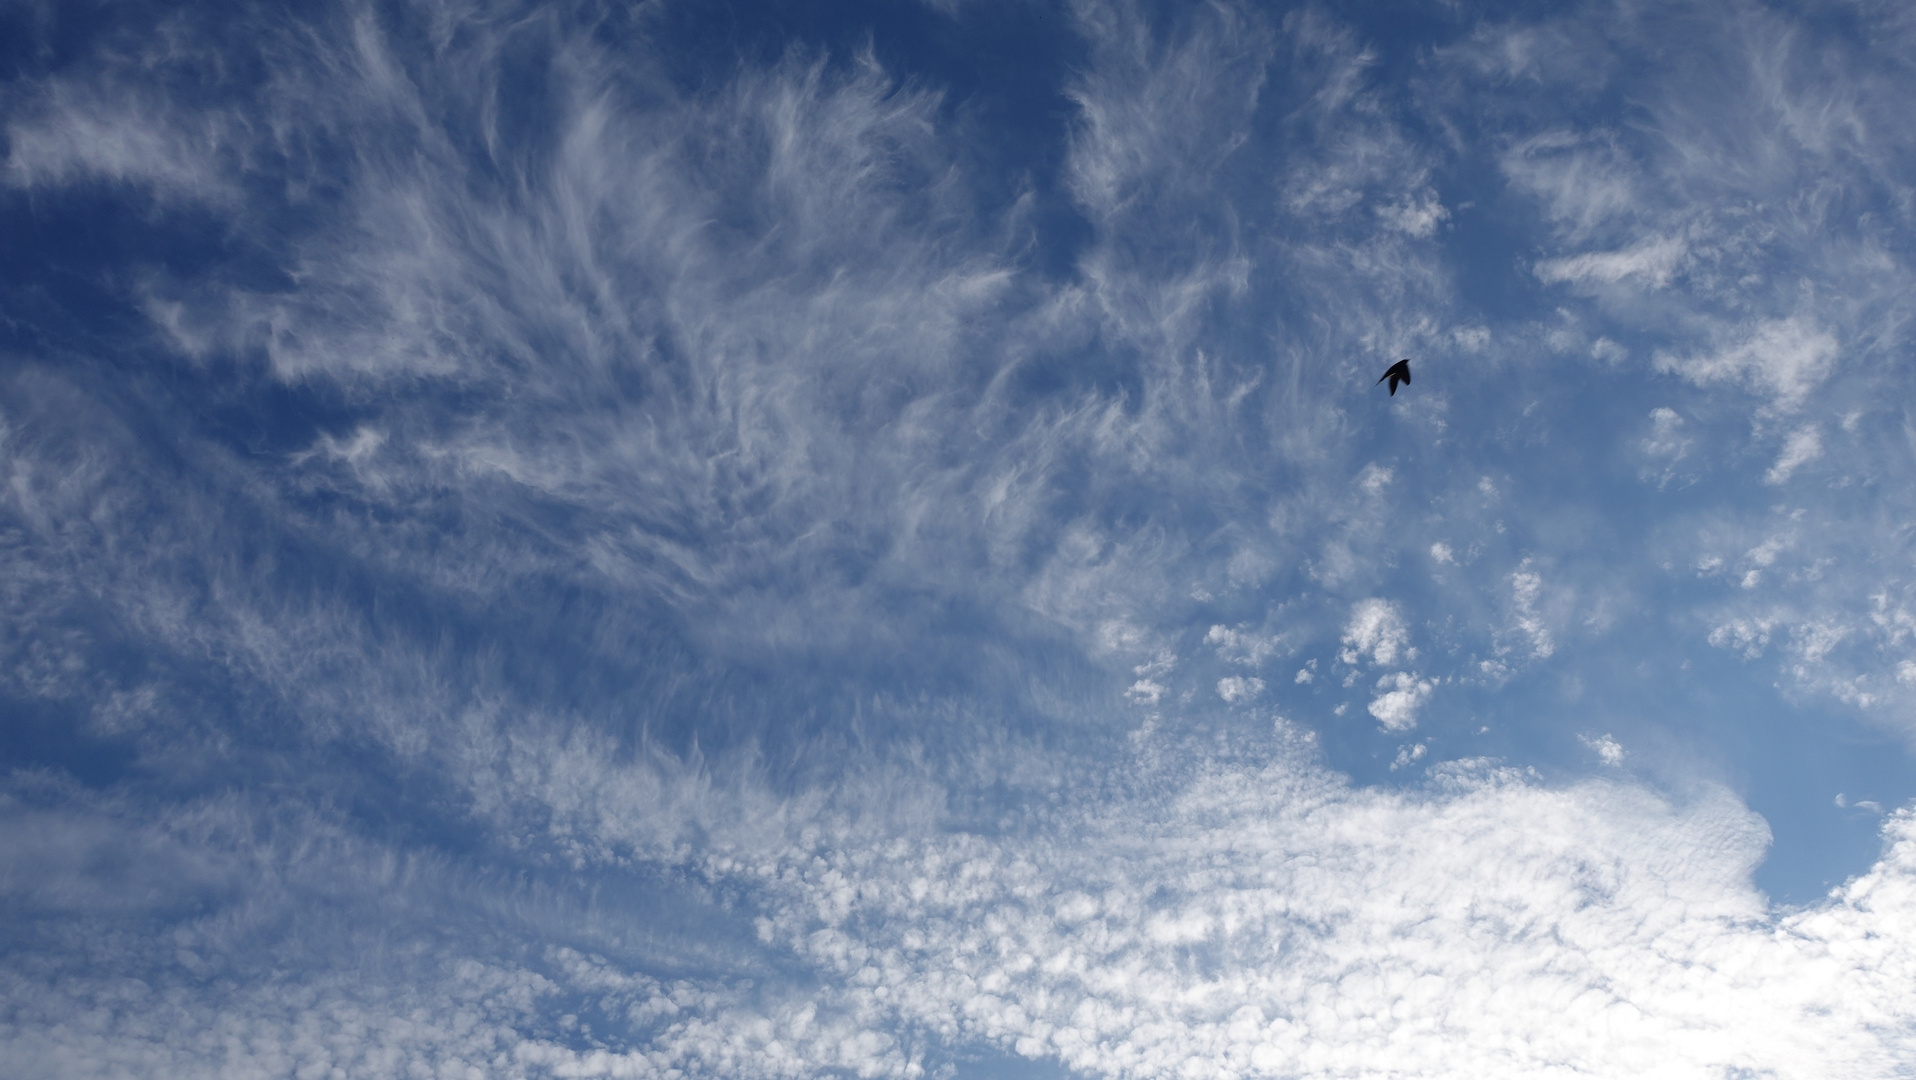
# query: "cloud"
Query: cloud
1805,445
1749,637
1236,688
1607,749
735,372
590,481
1403,695
1240,646
1374,479
1419,219
1408,754
1146,691
1483,913
1787,358
1584,182
1653,261
73,133
1376,627
1482,907
1665,438
1526,590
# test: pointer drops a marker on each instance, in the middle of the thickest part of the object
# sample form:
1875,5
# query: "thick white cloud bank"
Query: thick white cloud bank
1259,922
1205,913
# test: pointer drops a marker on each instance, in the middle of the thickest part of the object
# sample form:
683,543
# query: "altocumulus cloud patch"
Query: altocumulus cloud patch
576,540
1230,910
1268,920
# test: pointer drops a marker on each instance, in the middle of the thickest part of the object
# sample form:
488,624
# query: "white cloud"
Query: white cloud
1376,627
1407,755
1240,646
1403,694
1526,589
1805,445
1702,225
1146,691
1375,478
1355,944
1607,749
1236,688
1652,261
1583,180
71,133
1813,641
1419,218
1786,358
1666,437
1481,906
1747,636
745,367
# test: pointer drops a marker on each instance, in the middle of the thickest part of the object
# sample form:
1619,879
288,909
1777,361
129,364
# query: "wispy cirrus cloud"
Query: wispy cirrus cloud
1733,236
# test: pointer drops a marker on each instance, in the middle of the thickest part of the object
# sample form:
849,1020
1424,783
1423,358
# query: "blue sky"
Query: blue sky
778,540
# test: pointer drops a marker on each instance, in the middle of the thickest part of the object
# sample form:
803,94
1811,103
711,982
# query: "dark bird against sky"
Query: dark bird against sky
1397,373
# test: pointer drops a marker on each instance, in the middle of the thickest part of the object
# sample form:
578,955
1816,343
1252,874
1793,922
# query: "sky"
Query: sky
767,540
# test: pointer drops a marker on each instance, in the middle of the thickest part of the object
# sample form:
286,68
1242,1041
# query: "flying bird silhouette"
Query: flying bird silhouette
1397,373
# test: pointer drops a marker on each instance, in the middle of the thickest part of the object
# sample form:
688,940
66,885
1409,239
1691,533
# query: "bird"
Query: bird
1397,373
